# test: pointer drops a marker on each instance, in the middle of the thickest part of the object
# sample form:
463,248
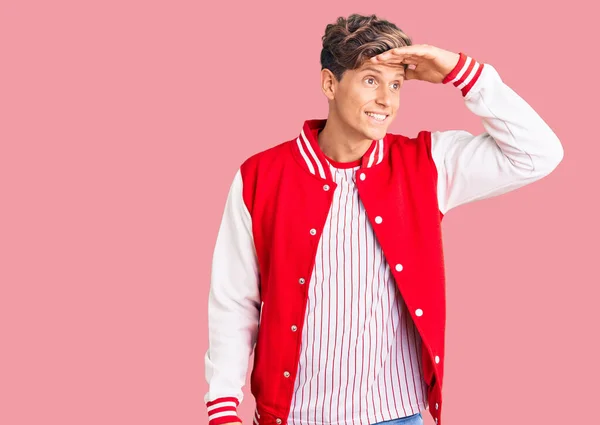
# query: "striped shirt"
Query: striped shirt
360,353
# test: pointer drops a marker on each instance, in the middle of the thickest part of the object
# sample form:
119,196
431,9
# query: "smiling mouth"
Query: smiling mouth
377,118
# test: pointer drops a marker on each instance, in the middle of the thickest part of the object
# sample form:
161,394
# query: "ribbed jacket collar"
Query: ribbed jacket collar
314,160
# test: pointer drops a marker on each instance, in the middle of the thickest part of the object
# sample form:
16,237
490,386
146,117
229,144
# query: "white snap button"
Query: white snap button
301,281
294,328
398,267
436,420
326,187
363,176
437,359
313,231
419,312
278,420
378,220
436,406
286,374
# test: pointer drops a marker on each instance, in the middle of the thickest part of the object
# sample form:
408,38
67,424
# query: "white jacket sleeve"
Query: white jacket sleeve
233,309
517,147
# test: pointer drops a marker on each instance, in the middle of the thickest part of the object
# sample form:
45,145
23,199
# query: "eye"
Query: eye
370,78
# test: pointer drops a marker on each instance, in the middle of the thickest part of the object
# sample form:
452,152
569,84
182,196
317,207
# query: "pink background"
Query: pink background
121,127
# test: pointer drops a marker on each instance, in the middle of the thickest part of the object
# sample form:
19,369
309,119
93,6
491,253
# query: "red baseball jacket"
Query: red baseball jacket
276,209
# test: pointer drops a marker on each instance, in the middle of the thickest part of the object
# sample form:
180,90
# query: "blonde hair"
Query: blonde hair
350,41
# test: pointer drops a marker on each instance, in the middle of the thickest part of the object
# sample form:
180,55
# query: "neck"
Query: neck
340,142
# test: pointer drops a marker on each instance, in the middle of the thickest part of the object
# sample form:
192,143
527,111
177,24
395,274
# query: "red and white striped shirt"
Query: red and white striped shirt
360,351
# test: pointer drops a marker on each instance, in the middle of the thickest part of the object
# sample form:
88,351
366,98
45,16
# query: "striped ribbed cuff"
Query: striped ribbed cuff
223,410
465,74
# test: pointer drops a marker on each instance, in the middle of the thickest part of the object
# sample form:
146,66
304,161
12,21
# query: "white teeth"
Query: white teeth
376,116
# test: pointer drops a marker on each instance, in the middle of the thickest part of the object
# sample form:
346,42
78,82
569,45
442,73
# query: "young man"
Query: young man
329,255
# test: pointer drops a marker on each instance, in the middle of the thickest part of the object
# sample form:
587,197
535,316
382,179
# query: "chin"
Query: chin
375,133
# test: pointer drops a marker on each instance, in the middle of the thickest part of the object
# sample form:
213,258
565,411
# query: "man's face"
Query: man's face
370,88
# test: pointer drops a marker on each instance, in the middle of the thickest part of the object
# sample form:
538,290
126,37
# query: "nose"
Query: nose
384,97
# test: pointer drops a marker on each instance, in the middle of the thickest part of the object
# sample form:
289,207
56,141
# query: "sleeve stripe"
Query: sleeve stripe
220,407
232,413
224,420
219,400
465,74
473,80
222,410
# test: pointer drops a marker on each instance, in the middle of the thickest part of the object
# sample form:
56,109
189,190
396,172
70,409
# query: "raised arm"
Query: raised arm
517,147
233,309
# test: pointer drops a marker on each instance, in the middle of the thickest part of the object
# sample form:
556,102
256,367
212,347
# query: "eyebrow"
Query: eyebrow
368,68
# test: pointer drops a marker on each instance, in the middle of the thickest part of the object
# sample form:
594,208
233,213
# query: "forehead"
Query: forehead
380,69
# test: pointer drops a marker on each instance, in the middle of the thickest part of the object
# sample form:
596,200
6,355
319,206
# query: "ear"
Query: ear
328,83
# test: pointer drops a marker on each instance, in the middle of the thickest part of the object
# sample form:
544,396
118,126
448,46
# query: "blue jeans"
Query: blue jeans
416,419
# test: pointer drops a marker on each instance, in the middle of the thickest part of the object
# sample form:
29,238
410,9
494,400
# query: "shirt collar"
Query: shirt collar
315,160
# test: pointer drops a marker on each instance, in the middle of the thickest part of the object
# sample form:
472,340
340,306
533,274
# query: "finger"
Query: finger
396,57
411,60
410,74
413,49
